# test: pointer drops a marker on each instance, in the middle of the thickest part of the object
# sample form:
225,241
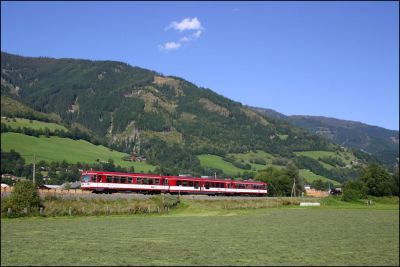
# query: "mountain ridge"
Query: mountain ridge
165,118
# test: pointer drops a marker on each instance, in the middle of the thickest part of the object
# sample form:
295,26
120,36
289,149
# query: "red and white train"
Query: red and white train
111,182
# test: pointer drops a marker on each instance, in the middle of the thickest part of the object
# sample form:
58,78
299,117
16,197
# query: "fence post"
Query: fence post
9,211
26,210
70,211
41,211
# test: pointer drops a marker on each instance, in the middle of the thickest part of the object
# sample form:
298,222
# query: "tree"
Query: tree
354,190
24,195
377,180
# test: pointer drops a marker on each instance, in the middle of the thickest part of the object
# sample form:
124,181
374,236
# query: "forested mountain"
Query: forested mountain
138,111
380,142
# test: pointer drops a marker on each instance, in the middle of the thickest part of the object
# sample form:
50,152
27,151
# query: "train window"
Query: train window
130,179
178,183
109,179
145,181
166,182
190,183
196,185
94,178
157,181
184,183
85,178
123,180
207,185
116,179
138,180
151,181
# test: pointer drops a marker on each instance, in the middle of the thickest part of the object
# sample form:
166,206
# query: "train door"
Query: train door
166,185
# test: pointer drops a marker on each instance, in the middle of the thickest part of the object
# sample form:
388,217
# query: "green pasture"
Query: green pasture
199,233
258,154
346,157
33,124
309,176
214,161
217,162
57,149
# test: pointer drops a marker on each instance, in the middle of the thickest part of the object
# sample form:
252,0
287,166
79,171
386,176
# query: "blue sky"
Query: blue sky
335,59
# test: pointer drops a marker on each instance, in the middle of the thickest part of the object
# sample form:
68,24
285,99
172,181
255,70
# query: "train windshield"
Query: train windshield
85,178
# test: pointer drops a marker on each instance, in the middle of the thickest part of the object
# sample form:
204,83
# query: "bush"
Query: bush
24,195
354,190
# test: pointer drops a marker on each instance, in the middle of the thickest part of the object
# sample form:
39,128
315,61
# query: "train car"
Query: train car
111,182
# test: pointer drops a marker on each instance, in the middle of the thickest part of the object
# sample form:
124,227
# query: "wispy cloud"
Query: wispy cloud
187,24
170,46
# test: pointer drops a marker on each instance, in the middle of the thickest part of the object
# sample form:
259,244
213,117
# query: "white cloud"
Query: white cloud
184,39
186,24
170,46
197,34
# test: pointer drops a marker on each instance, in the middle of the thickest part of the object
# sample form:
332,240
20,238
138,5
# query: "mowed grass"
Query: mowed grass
217,162
258,154
346,157
33,124
276,236
309,176
57,149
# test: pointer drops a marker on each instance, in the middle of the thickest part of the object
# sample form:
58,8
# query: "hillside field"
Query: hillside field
217,162
33,124
193,234
346,157
57,149
310,177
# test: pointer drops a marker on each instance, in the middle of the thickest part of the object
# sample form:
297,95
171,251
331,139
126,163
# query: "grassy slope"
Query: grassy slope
217,162
246,157
356,235
214,161
36,125
58,149
346,157
310,177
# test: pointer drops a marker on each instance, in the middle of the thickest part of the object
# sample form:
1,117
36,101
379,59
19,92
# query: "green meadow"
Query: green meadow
55,148
33,124
213,161
203,233
346,157
309,177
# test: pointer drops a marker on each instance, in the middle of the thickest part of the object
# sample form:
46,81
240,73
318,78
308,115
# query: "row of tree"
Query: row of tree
374,180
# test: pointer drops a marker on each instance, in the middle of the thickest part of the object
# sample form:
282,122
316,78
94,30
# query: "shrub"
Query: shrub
24,195
354,190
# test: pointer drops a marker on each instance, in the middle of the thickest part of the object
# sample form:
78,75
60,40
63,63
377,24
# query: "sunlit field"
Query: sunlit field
195,234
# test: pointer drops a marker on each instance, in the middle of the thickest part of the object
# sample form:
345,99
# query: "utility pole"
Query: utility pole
34,168
293,193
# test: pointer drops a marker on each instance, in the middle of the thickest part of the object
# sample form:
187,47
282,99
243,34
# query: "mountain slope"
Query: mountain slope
380,142
167,119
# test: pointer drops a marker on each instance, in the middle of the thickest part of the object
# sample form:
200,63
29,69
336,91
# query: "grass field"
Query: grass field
213,161
259,154
310,177
195,234
346,157
36,125
57,149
